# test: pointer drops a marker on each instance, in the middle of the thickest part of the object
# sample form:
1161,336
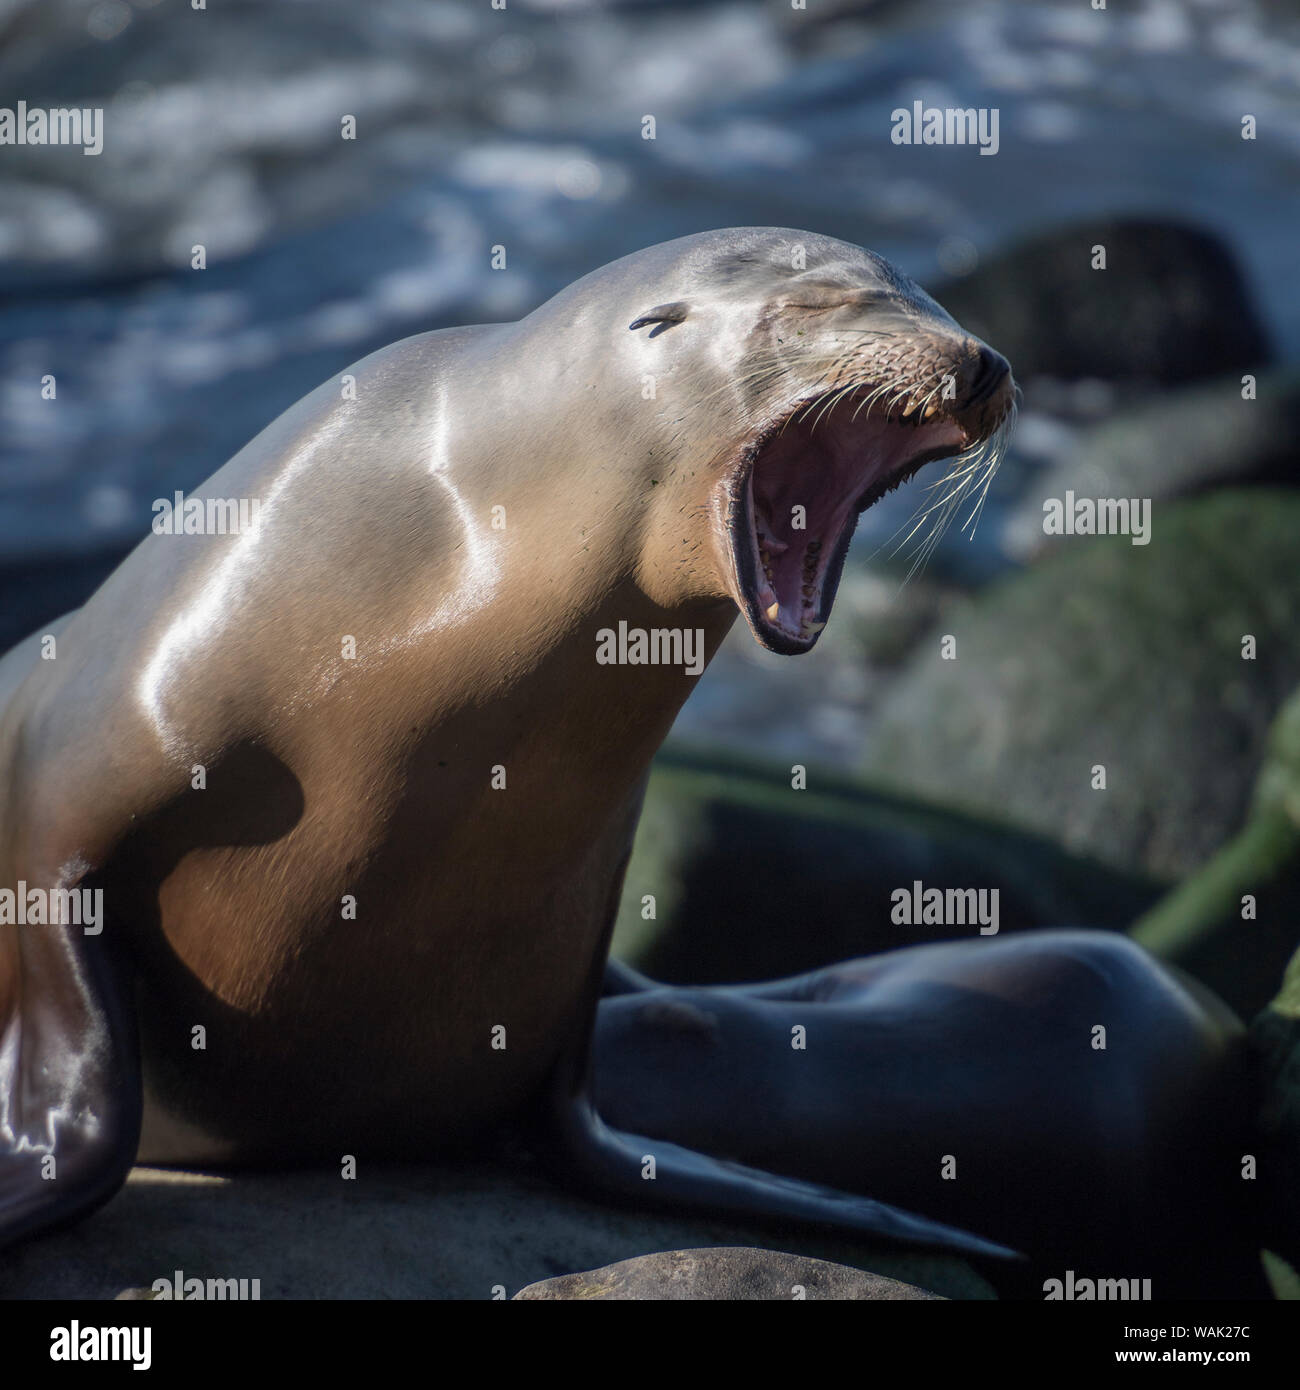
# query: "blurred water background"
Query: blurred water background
523,127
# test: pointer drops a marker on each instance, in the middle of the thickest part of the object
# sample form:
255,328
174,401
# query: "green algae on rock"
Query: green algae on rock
1120,656
751,879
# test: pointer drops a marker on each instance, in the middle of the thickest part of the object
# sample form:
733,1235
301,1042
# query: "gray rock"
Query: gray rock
1199,927
728,1273
465,1231
1275,1042
718,837
1176,444
1275,1033
1170,306
1114,654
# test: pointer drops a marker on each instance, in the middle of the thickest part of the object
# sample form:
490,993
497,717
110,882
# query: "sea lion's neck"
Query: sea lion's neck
555,708
613,674
597,584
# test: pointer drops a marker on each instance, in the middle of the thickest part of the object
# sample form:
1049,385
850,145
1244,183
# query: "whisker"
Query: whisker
968,476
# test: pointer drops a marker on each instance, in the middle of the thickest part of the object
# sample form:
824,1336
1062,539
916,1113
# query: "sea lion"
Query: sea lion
358,785
1060,1091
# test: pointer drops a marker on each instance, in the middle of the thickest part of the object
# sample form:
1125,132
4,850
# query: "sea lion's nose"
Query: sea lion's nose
990,371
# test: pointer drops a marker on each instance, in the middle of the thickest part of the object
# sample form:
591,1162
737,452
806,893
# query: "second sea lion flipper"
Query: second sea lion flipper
70,1090
612,1160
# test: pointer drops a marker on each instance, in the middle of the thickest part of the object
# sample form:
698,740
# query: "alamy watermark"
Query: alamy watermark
179,515
655,646
52,907
59,125
73,1342
194,1289
1093,1290
946,907
946,125
1098,516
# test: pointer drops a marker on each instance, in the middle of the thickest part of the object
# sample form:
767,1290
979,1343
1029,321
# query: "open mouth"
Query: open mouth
796,500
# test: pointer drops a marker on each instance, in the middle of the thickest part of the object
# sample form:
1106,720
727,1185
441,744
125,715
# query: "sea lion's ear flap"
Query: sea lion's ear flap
663,314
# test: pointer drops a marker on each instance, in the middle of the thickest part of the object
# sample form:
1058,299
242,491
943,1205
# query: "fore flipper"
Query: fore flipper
70,1093
616,1162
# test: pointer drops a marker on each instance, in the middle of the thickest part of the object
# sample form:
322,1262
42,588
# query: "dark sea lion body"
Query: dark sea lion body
204,750
968,1081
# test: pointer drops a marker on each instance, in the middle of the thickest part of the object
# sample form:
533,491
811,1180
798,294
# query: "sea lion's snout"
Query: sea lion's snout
986,392
880,389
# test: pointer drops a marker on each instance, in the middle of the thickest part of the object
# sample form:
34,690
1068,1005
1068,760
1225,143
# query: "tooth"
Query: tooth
807,591
812,628
930,410
909,408
774,613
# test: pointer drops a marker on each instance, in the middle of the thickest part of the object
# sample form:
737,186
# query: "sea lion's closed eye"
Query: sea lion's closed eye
832,297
